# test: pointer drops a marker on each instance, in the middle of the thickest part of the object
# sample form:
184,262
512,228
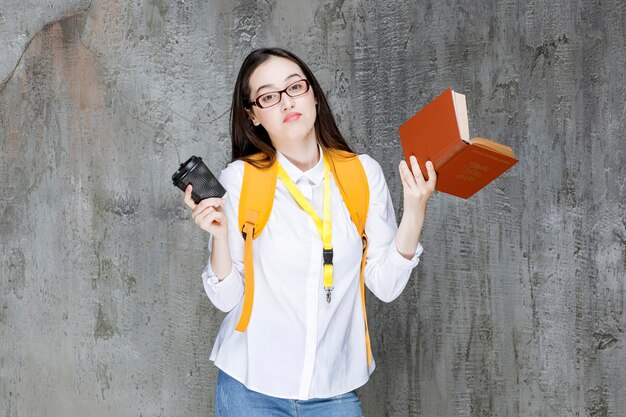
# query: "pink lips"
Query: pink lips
291,117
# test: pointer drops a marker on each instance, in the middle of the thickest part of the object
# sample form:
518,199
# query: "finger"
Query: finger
213,218
209,202
406,175
204,218
432,175
417,171
202,211
402,167
187,199
218,217
214,201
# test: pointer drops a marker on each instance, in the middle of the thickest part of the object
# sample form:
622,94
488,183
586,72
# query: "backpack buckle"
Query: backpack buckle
244,234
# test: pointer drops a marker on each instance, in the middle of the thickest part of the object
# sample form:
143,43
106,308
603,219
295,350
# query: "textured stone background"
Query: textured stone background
518,306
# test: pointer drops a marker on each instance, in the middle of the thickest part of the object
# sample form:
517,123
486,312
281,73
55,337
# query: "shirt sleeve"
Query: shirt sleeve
387,271
227,293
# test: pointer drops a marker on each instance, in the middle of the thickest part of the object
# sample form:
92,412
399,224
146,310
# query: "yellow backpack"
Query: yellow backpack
255,206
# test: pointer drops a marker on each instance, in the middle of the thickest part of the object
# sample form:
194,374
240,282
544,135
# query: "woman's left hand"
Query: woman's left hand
417,190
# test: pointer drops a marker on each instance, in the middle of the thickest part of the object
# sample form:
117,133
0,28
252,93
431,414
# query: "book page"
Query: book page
494,146
460,109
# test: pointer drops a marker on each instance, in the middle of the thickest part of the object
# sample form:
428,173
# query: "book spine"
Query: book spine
448,153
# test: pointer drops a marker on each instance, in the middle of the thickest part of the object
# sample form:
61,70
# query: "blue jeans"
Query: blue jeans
233,399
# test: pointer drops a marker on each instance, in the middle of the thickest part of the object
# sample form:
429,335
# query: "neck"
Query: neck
305,156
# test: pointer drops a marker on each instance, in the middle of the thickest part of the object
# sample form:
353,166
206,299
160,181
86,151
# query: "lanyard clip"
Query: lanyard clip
327,254
328,293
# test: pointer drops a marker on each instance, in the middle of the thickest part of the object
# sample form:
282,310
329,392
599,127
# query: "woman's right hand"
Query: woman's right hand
208,214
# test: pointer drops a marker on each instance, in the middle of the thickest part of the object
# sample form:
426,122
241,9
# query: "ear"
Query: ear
253,119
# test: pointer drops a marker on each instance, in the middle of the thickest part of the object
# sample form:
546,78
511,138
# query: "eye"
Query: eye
267,98
299,86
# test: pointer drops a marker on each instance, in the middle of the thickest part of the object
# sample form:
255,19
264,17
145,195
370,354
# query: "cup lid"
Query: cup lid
185,168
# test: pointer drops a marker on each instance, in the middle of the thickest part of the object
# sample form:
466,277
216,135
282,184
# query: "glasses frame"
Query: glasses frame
257,101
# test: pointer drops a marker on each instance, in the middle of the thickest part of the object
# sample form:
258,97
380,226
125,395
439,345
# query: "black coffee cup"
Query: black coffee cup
203,182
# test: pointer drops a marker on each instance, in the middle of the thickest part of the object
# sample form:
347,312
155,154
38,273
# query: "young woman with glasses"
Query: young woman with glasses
303,351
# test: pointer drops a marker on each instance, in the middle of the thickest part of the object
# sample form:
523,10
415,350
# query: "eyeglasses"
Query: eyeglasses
295,89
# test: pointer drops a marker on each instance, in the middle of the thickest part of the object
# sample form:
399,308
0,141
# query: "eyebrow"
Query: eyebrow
272,85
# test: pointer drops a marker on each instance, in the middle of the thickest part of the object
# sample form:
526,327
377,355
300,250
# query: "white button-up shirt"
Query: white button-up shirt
297,345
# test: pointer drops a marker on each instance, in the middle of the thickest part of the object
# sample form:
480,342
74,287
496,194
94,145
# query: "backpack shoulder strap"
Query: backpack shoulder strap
255,206
352,182
257,197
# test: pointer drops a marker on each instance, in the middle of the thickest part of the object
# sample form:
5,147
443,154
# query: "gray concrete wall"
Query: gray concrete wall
518,306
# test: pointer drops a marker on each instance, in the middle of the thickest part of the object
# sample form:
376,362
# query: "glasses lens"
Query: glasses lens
298,88
269,99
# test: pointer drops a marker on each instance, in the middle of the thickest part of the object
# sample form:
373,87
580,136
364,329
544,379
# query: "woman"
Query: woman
303,350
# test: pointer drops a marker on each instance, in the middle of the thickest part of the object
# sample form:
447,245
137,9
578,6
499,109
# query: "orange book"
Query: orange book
439,132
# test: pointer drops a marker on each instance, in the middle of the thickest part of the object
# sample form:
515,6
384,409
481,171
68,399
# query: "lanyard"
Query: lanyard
324,226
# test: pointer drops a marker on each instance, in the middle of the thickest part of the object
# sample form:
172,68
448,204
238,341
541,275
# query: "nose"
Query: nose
286,102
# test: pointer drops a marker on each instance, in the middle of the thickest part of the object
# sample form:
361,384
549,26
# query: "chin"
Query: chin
299,132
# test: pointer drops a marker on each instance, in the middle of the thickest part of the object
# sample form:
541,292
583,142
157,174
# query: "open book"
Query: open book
439,132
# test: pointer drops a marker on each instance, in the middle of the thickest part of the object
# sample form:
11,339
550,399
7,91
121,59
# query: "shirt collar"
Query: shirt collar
315,174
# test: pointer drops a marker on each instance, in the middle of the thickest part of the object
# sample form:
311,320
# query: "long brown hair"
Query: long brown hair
248,139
